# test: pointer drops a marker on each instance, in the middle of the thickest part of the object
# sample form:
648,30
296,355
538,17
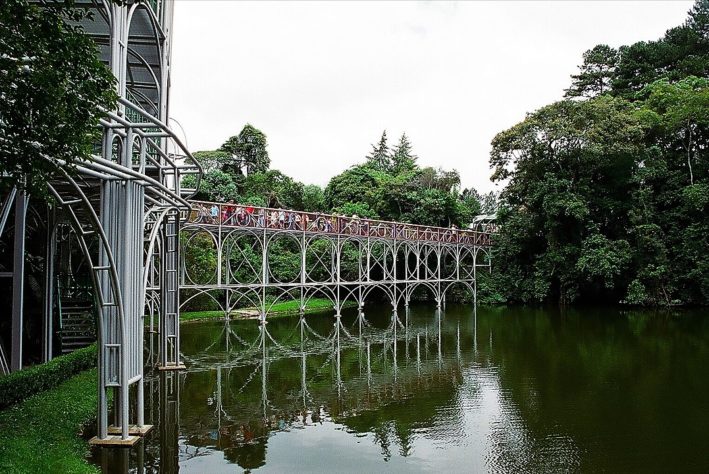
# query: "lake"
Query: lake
493,390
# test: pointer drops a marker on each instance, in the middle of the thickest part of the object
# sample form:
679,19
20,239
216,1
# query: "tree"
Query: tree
216,186
313,198
570,167
275,189
699,19
403,159
380,157
596,72
214,159
248,149
53,91
683,111
360,209
356,184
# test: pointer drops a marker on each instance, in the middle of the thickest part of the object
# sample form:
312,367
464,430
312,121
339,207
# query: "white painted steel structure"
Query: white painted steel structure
342,259
122,202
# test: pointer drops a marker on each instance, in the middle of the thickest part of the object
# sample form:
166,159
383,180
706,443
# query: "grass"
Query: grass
314,305
41,434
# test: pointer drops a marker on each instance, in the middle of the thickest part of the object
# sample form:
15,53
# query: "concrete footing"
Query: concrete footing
114,441
133,430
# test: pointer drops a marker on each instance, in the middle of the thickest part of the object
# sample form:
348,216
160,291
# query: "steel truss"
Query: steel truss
122,205
343,262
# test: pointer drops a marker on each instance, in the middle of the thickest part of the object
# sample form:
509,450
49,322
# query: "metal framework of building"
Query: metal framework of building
121,202
127,213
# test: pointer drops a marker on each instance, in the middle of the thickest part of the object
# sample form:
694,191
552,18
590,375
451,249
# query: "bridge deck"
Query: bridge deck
231,215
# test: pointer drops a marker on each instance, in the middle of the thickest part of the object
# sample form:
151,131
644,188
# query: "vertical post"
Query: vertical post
264,277
302,268
48,327
220,251
18,281
475,276
338,251
438,276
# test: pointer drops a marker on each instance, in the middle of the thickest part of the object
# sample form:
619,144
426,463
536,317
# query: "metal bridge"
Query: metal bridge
342,259
125,223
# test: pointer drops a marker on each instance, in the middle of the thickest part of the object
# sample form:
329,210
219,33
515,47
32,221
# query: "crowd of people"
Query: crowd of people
231,214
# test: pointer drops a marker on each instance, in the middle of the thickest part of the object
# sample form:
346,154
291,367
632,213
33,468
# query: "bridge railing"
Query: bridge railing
245,216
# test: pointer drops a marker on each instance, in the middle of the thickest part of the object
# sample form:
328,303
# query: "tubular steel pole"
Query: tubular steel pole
18,281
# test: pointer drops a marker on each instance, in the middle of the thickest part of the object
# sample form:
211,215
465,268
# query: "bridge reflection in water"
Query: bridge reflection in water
246,382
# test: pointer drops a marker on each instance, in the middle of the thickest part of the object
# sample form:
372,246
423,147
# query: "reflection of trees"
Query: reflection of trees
580,373
308,379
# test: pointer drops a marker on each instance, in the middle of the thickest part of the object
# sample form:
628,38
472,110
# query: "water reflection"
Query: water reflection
505,390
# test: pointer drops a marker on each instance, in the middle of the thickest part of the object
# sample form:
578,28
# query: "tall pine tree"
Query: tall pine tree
596,72
402,159
380,157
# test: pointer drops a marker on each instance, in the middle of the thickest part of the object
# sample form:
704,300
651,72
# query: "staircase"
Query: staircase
78,326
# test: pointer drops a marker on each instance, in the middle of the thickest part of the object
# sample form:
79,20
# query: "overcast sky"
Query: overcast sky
323,80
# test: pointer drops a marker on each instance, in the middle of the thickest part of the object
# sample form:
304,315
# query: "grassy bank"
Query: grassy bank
41,434
314,305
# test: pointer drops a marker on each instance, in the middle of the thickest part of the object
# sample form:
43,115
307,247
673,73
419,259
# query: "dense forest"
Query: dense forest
388,184
607,190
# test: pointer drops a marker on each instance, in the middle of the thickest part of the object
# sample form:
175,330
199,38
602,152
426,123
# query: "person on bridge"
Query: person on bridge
261,221
214,213
355,224
281,219
240,216
249,215
230,213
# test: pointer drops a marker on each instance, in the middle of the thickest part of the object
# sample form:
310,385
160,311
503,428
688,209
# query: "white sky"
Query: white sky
323,80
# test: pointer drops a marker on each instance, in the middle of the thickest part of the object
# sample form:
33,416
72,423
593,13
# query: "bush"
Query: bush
19,385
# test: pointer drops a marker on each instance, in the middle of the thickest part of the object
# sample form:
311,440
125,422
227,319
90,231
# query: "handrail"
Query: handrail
244,215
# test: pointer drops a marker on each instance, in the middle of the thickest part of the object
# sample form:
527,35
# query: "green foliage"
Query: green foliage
276,189
636,293
217,186
214,159
380,156
596,72
393,187
603,259
313,198
360,209
17,386
402,158
249,151
41,434
607,197
53,88
357,183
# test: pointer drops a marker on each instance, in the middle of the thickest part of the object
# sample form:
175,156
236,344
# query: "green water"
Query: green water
503,390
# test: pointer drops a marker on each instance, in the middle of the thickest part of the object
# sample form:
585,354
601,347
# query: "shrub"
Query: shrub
17,386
